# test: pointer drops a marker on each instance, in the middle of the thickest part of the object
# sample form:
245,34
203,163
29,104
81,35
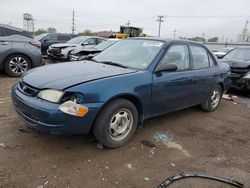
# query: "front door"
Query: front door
173,90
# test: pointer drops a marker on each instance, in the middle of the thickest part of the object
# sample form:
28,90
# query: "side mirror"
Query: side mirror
85,44
46,40
166,67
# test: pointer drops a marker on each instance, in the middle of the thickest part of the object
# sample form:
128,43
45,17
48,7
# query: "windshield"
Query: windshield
39,37
105,45
137,54
239,54
77,40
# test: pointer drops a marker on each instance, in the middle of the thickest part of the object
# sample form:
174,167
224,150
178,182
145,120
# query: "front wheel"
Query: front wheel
116,123
213,100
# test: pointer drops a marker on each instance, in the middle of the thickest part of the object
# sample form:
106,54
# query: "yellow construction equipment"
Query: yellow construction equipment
129,31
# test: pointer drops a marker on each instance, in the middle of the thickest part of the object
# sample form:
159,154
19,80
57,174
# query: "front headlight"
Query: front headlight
72,108
247,76
51,95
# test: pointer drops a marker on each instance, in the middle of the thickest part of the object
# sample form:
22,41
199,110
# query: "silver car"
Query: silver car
18,54
61,51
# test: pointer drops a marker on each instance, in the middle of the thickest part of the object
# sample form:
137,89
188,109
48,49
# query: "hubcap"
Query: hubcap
215,98
120,125
18,65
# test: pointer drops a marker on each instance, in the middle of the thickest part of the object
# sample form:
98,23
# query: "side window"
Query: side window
200,57
178,55
100,41
91,41
51,38
63,37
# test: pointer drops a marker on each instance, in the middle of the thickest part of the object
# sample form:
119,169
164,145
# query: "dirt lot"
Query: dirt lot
215,143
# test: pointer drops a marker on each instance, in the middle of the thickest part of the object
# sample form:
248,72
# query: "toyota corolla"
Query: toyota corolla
133,80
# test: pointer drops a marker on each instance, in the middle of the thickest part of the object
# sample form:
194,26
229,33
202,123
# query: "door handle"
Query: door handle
4,43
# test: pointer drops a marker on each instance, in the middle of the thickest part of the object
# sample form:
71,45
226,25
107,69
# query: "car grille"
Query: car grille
28,90
55,50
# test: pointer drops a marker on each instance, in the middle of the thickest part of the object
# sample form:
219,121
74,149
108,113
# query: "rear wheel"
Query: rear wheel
213,100
116,123
17,64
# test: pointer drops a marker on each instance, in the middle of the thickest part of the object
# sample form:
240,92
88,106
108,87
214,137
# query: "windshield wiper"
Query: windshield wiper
113,63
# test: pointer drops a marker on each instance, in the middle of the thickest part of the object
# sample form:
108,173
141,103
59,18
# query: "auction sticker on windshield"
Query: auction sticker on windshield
152,44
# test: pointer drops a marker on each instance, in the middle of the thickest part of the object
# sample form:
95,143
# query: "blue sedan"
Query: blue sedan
131,81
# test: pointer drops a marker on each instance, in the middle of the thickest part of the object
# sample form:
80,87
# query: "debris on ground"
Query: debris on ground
99,145
164,137
2,146
179,147
146,179
147,143
172,179
241,100
129,166
172,164
227,97
24,130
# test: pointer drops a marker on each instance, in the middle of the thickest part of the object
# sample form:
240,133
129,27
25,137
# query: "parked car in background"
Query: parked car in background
132,80
222,53
83,53
19,54
61,51
48,39
239,61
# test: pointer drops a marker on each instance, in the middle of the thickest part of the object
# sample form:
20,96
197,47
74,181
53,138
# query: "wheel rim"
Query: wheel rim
18,65
120,125
215,98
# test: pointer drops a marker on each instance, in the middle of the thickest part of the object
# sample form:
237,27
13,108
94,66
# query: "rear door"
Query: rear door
203,71
4,46
173,90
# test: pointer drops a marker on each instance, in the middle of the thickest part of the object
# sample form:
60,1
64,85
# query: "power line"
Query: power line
160,20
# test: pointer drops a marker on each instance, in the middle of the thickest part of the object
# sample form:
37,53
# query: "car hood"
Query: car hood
238,63
64,75
63,45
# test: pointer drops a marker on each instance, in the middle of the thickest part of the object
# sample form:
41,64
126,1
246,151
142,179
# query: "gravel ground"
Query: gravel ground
195,141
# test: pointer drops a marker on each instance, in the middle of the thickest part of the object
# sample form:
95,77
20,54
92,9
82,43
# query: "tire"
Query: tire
15,65
213,101
116,123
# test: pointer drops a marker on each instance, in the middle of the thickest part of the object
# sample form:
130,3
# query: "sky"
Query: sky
190,18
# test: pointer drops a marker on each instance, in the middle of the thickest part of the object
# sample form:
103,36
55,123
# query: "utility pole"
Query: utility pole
174,33
128,23
160,20
73,23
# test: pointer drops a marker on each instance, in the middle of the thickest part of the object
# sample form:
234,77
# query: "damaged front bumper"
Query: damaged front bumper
240,82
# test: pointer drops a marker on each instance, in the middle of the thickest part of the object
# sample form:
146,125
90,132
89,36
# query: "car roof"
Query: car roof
167,40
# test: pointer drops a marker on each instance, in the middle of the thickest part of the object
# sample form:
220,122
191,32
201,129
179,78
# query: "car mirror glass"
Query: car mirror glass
166,67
